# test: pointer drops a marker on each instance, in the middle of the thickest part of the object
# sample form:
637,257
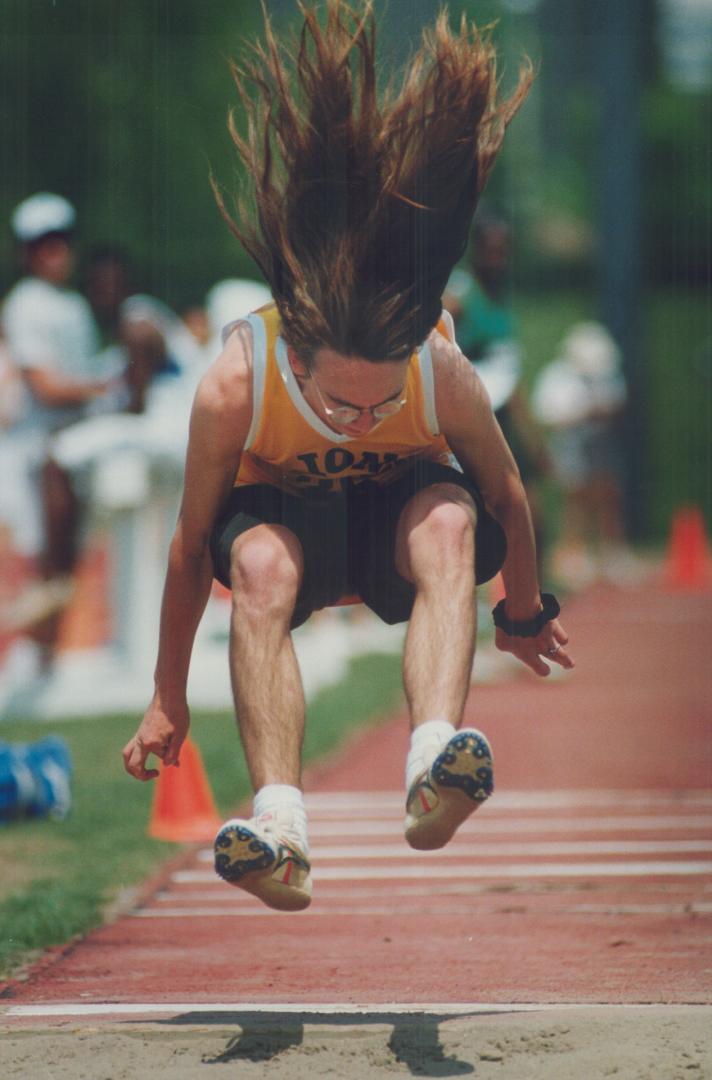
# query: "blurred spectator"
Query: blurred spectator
108,280
50,330
195,319
116,454
11,388
18,537
579,396
53,340
143,336
486,331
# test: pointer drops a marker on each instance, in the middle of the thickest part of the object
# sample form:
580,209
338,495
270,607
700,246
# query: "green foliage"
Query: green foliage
678,359
678,202
122,108
58,877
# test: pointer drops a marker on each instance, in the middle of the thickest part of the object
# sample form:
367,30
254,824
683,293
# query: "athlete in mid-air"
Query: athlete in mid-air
341,444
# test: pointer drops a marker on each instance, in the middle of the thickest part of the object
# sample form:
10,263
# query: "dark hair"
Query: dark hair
360,208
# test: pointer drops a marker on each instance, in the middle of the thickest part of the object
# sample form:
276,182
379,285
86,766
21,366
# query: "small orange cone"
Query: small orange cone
183,807
689,563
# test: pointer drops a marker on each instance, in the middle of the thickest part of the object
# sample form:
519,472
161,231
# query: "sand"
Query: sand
547,1043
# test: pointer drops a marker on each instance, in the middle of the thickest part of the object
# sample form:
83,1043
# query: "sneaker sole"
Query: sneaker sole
457,783
244,859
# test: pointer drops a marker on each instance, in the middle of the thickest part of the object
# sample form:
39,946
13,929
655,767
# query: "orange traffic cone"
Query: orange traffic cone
183,807
689,563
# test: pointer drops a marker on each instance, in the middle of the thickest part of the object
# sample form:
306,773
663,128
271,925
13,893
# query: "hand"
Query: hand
548,643
159,733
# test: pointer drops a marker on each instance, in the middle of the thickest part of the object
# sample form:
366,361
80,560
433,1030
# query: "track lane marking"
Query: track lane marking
438,910
364,803
457,849
512,870
216,893
325,827
380,1010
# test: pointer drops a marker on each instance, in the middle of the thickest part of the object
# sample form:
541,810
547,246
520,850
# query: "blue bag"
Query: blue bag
34,779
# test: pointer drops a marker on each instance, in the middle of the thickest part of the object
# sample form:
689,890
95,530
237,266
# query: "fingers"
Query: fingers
536,664
136,752
134,755
526,650
552,642
556,654
563,659
537,653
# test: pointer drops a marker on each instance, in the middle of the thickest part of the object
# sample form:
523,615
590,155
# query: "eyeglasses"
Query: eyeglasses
349,414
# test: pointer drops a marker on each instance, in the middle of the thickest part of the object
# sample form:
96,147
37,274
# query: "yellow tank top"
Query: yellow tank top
289,445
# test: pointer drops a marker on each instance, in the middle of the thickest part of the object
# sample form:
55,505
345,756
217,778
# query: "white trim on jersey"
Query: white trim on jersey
425,359
299,401
449,325
259,368
228,329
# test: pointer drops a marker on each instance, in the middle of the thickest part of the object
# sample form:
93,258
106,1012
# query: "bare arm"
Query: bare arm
221,418
53,389
468,423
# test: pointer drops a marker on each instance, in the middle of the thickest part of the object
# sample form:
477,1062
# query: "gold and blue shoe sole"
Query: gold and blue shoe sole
273,872
460,779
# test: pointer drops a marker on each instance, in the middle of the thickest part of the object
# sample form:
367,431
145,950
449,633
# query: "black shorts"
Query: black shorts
348,539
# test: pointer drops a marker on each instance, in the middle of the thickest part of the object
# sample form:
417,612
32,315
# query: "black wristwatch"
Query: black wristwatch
526,627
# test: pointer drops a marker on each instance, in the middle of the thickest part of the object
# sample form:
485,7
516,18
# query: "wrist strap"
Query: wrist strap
526,627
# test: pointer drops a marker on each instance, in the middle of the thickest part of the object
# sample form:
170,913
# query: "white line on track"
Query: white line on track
512,870
323,827
542,849
379,1011
217,891
438,910
365,803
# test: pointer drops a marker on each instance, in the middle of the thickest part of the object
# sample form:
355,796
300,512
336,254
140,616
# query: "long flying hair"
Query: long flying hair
357,206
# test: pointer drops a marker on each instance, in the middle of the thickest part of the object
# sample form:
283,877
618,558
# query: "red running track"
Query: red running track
586,878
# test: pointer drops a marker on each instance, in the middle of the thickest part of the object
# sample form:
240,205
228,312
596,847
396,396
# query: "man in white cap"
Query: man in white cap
52,337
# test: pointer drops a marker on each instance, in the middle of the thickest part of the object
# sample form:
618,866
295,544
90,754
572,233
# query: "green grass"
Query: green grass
58,877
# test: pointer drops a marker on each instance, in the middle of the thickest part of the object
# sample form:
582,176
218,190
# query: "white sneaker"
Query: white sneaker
443,796
259,856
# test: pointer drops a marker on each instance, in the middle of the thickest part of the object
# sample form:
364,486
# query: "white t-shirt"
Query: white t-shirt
53,329
563,395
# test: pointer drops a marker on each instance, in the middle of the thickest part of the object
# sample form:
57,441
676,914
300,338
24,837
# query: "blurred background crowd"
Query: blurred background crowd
583,300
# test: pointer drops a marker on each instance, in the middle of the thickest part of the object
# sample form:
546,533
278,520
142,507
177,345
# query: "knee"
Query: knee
441,540
266,570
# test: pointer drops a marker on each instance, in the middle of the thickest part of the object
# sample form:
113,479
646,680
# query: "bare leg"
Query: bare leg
58,561
266,572
61,513
448,775
435,549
